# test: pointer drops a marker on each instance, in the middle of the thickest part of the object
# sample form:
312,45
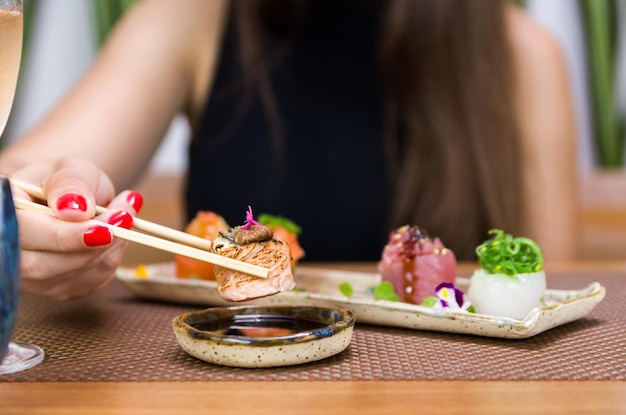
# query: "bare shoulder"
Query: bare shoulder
536,53
528,36
543,98
542,84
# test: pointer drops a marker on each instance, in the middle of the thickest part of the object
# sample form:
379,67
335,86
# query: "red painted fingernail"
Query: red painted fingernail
122,219
72,201
136,200
97,236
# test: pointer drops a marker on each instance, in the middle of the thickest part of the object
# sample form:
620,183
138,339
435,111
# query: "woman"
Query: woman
349,117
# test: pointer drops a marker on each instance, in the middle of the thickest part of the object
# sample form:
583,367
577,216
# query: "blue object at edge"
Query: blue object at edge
9,265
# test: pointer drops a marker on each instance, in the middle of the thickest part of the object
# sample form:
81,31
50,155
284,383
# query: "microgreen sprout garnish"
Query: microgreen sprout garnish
384,291
274,221
346,289
430,301
381,291
448,296
249,219
504,254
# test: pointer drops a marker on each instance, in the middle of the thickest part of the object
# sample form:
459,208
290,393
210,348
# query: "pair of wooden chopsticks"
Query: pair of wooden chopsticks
170,240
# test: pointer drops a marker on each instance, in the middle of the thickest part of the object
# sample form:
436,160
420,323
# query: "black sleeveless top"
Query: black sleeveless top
333,179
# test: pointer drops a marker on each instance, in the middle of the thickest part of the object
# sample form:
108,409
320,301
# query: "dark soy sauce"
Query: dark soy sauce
259,325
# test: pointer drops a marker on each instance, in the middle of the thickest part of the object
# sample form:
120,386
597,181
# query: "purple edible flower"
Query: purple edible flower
449,296
249,219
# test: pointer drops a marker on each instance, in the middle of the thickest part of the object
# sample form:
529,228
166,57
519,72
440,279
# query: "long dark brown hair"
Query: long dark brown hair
451,134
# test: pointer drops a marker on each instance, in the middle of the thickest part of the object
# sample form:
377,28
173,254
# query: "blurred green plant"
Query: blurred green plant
601,26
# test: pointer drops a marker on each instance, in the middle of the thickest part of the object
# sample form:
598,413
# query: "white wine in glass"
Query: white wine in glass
14,356
11,29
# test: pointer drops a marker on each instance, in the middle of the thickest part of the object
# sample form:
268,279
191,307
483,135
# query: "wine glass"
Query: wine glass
16,356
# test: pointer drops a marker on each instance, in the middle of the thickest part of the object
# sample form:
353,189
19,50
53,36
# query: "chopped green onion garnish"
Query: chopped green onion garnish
504,254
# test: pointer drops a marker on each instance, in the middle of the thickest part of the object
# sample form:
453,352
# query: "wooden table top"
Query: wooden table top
328,397
303,398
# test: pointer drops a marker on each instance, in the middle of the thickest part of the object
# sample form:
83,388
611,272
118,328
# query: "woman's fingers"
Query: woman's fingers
63,259
71,252
75,188
42,232
70,275
129,201
72,187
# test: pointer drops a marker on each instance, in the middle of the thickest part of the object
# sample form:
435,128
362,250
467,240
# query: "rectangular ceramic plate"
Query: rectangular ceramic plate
320,287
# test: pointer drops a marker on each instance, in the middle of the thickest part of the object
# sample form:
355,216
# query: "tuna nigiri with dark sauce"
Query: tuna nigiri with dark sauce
416,263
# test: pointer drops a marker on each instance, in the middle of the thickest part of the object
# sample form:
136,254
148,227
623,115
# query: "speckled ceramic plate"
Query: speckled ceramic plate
246,336
320,287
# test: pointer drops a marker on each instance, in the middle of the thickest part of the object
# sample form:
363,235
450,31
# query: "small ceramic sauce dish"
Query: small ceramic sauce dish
253,337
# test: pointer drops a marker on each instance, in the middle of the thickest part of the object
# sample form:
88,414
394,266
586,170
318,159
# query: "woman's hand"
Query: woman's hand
73,253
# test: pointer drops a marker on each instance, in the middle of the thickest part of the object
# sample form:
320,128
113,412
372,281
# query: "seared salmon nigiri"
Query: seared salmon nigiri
252,243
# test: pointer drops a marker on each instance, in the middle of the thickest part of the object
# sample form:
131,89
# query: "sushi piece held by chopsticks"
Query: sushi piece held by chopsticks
173,241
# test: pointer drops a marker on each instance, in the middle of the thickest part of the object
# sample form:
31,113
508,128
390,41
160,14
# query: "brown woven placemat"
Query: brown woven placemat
115,336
